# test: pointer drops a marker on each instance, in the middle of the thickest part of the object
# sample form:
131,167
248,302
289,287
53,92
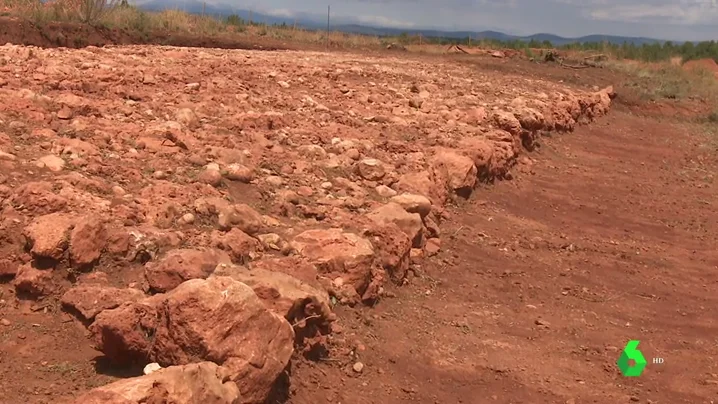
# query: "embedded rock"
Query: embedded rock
182,265
87,301
196,383
409,223
338,254
47,236
216,319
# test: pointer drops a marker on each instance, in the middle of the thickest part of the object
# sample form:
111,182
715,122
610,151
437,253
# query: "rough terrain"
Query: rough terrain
342,228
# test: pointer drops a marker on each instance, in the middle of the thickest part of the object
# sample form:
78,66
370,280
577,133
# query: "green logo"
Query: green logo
631,353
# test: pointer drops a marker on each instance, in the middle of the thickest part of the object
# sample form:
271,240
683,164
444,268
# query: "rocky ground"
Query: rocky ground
305,227
198,205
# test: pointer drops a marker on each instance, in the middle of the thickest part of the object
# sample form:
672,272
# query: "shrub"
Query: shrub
92,11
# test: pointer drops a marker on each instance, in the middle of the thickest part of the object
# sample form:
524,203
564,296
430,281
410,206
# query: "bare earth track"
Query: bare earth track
600,236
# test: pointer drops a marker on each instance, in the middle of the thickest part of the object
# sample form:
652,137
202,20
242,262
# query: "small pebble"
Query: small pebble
118,190
152,367
274,180
188,218
211,177
358,367
385,191
353,154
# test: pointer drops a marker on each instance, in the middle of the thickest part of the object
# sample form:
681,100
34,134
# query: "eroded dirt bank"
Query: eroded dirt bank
72,35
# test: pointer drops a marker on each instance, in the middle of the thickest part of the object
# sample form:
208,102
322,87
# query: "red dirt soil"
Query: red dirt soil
605,235
705,64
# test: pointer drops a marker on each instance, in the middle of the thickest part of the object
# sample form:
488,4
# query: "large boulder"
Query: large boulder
493,154
393,249
87,301
600,102
182,265
32,282
216,319
47,236
295,266
87,241
240,246
196,383
505,152
480,150
530,119
507,121
282,293
423,183
38,198
241,216
343,257
413,203
409,223
456,171
305,307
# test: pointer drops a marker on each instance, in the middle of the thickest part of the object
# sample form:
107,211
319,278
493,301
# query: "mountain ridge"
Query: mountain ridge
351,25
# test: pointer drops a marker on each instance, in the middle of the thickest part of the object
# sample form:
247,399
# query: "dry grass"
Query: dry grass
114,15
657,81
670,81
84,11
111,14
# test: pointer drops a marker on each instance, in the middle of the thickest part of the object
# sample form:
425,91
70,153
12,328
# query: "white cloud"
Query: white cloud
281,12
383,21
679,12
667,19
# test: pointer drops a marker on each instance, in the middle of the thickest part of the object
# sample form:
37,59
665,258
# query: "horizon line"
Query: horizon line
348,22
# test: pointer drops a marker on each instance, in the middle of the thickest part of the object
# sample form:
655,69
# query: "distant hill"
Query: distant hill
499,36
348,24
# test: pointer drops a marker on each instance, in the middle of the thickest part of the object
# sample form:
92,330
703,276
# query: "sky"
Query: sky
663,19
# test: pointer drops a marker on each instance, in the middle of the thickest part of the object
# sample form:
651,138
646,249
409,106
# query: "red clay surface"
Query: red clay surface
604,235
705,64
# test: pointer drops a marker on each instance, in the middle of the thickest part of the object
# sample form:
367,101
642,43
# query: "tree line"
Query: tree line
653,52
649,52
